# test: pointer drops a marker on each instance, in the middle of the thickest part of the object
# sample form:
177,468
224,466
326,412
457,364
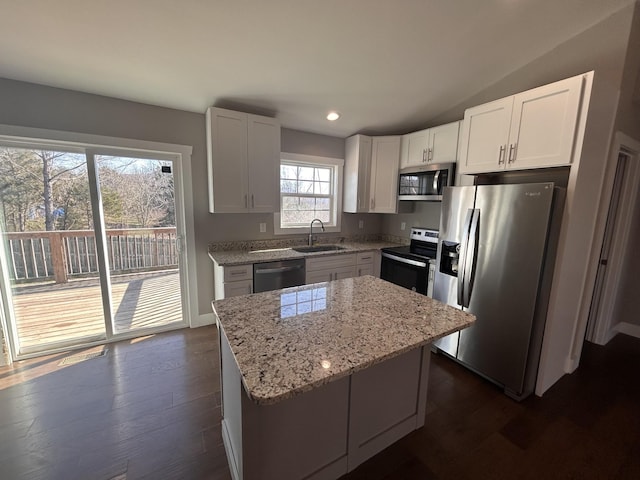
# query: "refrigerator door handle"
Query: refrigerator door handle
462,256
470,261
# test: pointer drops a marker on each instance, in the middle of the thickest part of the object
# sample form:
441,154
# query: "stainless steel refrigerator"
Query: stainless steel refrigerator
495,260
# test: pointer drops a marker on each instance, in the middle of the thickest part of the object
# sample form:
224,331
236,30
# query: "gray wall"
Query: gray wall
412,214
628,119
30,105
38,106
601,48
626,308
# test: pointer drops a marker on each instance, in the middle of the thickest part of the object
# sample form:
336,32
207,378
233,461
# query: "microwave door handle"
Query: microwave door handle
436,182
471,254
462,256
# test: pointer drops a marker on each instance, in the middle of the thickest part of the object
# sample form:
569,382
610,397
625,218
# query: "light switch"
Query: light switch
263,227
403,225
361,224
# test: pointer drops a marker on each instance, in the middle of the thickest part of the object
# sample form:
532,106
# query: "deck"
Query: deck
54,313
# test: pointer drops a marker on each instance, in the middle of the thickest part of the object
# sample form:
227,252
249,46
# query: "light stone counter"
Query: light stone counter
290,341
227,258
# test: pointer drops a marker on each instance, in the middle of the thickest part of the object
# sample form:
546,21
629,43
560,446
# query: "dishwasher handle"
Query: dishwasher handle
277,270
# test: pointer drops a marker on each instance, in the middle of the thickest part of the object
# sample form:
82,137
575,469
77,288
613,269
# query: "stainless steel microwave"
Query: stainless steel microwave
425,182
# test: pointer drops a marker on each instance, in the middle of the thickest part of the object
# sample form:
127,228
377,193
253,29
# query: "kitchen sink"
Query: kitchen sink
317,248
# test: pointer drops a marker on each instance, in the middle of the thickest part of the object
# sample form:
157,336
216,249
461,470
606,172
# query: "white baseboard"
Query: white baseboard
202,320
628,329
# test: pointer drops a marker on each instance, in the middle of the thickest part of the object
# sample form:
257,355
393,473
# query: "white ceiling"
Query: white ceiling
387,65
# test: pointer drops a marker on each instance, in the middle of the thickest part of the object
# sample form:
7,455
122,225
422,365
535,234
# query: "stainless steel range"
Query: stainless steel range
412,266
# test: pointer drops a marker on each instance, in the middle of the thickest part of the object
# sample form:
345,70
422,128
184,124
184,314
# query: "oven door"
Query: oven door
407,273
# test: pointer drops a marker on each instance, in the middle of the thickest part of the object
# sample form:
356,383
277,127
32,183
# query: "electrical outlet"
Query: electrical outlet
403,225
263,227
361,224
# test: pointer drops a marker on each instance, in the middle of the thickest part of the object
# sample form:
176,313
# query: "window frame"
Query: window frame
337,164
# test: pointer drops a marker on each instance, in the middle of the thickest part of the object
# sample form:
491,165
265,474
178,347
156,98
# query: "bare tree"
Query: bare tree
49,177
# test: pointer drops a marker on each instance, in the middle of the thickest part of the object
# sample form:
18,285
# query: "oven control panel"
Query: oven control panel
424,234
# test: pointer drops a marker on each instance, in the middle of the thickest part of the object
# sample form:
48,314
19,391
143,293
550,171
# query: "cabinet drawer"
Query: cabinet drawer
238,272
234,289
365,258
330,262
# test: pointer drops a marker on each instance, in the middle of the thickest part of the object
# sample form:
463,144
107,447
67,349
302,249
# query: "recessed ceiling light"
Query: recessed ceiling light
333,116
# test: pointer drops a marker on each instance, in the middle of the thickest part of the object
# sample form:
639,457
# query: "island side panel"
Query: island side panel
388,400
232,390
301,437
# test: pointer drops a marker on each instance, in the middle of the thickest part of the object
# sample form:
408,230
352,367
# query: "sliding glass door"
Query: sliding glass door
142,242
91,246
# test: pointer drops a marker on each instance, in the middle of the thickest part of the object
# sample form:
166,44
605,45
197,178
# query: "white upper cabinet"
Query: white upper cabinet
264,164
433,145
443,143
414,149
371,174
543,125
383,190
485,133
243,158
357,164
533,129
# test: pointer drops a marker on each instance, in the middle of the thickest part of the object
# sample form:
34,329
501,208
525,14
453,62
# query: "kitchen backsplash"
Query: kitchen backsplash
292,242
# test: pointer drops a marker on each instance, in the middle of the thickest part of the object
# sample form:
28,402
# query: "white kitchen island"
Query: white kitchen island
316,379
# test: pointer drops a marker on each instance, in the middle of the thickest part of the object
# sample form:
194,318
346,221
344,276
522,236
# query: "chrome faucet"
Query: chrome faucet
311,229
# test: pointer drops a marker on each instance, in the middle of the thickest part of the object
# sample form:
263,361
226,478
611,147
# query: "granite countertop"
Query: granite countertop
290,341
227,258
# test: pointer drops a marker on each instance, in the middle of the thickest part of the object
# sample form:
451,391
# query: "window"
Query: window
310,187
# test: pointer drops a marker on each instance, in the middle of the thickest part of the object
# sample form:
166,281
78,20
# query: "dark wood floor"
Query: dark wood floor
150,409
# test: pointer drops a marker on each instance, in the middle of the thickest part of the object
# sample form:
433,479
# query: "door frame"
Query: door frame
90,144
599,329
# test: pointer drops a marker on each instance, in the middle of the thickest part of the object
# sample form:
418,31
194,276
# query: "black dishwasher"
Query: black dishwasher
276,275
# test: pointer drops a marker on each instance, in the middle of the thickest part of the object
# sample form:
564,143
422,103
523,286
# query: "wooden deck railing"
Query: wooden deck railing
61,254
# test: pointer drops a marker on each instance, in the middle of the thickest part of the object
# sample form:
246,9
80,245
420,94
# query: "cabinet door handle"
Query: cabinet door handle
501,155
424,154
245,202
430,155
512,151
253,203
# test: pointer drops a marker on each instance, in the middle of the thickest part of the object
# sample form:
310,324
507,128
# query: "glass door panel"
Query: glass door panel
142,242
48,236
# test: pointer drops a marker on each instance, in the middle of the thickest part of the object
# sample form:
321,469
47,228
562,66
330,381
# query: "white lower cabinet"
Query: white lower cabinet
235,280
366,263
232,281
326,268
